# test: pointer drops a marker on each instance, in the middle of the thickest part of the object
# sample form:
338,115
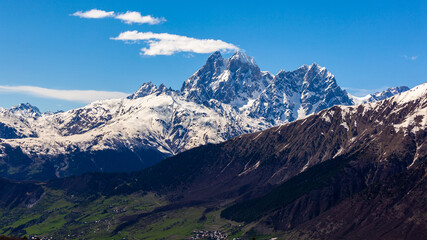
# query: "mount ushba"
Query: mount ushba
224,99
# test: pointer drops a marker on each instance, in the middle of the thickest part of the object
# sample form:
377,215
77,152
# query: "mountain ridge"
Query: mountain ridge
223,99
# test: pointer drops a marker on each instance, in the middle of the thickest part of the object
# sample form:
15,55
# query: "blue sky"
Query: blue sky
366,44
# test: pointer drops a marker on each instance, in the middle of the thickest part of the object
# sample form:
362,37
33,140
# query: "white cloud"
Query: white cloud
136,17
410,57
168,44
94,13
85,96
128,17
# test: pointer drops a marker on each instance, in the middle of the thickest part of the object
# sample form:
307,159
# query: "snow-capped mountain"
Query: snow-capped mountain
296,94
163,122
224,99
378,96
233,81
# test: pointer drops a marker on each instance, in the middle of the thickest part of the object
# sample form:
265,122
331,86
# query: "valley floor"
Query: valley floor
135,216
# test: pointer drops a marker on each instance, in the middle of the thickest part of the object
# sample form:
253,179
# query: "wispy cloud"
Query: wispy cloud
168,44
136,17
410,57
94,13
128,17
85,96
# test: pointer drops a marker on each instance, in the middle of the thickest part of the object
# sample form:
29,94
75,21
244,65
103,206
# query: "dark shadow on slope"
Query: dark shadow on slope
313,178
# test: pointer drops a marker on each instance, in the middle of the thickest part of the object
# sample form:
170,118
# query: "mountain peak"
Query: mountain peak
215,56
281,73
232,81
25,106
214,61
390,92
415,93
303,67
316,67
163,89
242,57
378,96
149,88
145,89
240,62
26,109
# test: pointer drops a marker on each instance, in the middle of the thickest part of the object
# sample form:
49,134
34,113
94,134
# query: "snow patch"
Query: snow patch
255,166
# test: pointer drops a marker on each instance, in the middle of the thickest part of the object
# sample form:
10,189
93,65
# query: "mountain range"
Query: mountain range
346,172
225,98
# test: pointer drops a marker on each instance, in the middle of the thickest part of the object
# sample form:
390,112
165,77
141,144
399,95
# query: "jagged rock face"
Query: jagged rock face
232,81
224,99
238,81
293,95
320,91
